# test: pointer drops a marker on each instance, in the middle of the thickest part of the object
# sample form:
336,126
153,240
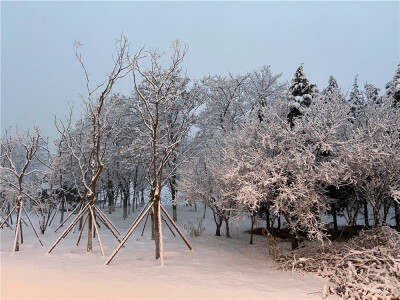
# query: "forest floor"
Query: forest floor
217,268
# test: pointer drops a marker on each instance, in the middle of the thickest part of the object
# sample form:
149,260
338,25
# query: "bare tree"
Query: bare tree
90,160
18,155
157,96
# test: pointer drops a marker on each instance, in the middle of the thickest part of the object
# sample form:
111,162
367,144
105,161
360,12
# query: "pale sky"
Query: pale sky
39,73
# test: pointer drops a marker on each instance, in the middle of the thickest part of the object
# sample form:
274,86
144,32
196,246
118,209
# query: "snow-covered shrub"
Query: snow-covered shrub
366,267
195,229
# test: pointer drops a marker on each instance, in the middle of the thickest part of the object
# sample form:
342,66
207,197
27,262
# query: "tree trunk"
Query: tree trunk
386,207
125,195
152,224
142,197
17,224
295,242
110,196
218,223
228,235
43,226
204,213
90,226
172,183
20,229
334,216
8,211
366,219
135,182
62,207
267,219
293,234
376,218
90,234
134,199
129,204
279,224
397,214
157,228
253,218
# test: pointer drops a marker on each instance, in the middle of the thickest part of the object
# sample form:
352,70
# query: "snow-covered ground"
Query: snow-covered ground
217,268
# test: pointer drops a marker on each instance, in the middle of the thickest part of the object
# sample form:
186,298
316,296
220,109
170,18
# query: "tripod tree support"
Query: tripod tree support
19,206
90,209
145,211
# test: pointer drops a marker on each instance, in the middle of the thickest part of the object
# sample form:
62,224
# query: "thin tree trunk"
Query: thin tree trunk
386,206
279,224
125,199
295,242
142,197
158,229
204,213
90,225
334,215
228,235
218,223
366,219
293,235
152,223
397,214
172,183
20,229
90,233
110,197
268,218
17,225
135,183
8,211
253,218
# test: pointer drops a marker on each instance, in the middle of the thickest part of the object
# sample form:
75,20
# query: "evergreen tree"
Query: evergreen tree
356,100
372,93
301,93
332,91
393,88
332,86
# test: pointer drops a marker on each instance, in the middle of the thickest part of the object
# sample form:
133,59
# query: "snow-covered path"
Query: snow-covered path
217,268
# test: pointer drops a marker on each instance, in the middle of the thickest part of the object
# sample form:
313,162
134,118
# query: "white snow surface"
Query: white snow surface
217,268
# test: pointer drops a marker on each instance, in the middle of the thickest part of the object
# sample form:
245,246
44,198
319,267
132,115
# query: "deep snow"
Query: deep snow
218,267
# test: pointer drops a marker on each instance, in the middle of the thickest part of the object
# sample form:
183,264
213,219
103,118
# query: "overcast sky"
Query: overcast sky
40,75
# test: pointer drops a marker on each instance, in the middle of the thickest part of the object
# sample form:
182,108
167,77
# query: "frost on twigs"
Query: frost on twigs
366,267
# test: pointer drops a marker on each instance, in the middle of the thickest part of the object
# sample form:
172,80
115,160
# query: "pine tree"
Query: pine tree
393,88
301,93
372,93
356,100
332,91
332,86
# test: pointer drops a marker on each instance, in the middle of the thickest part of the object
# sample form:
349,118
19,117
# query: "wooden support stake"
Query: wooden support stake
55,214
8,216
30,221
5,222
139,216
168,226
128,234
69,227
107,224
70,215
145,222
97,231
176,227
80,233
107,220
